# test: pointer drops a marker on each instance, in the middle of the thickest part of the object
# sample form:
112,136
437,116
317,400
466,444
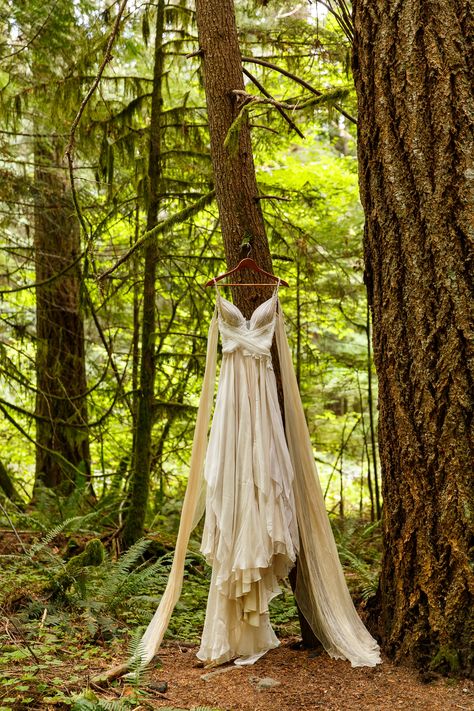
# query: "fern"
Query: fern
367,576
49,537
89,702
121,570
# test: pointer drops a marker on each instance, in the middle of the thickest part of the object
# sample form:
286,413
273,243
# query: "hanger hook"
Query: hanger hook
245,248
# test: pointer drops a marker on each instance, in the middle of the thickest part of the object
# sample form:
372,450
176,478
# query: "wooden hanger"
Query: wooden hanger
251,264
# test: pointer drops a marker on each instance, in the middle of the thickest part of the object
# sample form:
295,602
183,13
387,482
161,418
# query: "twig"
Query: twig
107,58
160,228
43,618
111,674
30,41
298,80
252,99
261,88
344,19
69,153
31,439
19,632
50,279
272,197
106,345
14,529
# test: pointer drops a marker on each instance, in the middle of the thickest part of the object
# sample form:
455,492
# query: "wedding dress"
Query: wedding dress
257,481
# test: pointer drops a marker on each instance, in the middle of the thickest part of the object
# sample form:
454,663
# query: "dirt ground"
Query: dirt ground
305,682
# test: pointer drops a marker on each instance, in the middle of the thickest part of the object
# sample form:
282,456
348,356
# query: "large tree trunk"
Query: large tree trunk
234,171
61,410
413,67
135,520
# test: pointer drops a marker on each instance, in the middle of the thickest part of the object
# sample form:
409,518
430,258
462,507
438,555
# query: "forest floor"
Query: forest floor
288,680
51,649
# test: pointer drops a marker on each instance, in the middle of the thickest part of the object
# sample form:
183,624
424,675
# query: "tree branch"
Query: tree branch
69,153
298,80
160,228
261,88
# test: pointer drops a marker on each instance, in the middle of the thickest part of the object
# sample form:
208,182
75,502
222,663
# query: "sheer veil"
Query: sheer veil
321,590
193,508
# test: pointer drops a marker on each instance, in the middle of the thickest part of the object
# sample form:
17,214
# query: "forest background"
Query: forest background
109,233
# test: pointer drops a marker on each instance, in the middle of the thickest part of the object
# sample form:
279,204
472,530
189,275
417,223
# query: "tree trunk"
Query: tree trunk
61,429
140,483
234,171
413,67
7,485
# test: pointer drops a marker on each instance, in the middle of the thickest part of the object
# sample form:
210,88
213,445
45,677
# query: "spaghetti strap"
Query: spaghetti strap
275,294
218,297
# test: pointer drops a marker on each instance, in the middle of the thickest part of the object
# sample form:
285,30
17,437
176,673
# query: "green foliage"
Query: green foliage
91,622
359,549
315,234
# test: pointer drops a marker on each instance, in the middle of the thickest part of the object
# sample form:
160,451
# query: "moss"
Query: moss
445,661
93,555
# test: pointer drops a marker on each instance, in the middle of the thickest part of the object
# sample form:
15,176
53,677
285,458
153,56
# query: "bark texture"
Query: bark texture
234,171
7,485
61,409
414,70
139,491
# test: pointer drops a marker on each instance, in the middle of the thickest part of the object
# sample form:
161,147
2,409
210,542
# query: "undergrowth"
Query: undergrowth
69,610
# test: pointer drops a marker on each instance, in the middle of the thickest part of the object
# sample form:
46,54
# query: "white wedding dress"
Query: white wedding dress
257,481
250,534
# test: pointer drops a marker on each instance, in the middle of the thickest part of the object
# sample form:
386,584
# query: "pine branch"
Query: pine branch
161,228
107,58
343,17
249,99
72,135
67,464
261,88
29,42
298,80
50,279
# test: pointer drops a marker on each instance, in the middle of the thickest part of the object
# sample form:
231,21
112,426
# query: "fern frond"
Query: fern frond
109,591
51,535
132,555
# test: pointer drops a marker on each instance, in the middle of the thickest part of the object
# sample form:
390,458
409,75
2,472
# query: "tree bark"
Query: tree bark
61,429
234,170
7,484
413,67
140,483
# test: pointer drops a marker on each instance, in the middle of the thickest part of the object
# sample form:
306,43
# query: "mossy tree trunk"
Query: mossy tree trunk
140,481
237,193
413,67
61,409
7,485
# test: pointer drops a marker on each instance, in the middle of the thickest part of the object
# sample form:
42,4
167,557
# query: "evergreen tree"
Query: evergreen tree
413,66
